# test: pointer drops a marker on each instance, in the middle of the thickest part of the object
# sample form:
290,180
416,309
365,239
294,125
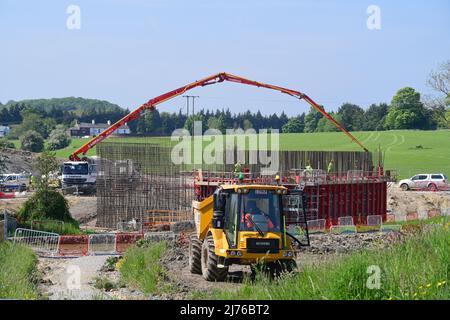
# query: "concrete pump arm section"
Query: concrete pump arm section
216,78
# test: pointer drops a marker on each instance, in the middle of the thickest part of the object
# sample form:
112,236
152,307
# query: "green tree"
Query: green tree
58,139
351,116
46,203
33,121
294,125
217,123
32,141
375,116
46,165
311,120
440,105
189,124
325,125
407,111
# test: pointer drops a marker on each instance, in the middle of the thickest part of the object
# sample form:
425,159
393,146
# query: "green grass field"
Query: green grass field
407,151
415,269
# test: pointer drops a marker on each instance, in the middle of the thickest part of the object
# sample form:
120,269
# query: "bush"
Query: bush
44,205
32,141
4,143
58,139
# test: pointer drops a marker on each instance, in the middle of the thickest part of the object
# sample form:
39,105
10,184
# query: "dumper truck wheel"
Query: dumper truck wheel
288,265
195,255
210,269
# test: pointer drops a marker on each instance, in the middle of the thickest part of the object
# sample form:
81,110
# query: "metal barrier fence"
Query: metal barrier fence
74,245
345,225
375,221
346,221
126,240
317,226
39,241
102,243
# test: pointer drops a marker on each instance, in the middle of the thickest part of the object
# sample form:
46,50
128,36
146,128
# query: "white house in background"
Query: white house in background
93,129
4,130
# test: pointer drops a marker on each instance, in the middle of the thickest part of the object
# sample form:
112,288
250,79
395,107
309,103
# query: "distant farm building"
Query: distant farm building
93,129
4,130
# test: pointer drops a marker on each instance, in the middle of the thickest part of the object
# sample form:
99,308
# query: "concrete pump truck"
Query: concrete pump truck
239,223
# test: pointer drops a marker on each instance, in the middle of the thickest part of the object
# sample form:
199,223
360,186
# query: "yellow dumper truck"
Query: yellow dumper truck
247,224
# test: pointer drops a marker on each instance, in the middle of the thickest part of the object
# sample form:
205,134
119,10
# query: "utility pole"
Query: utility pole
193,103
187,107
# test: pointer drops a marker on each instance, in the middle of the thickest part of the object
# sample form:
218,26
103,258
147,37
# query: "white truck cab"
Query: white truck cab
79,175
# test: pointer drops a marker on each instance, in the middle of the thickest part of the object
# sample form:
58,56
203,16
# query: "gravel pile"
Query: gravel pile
345,243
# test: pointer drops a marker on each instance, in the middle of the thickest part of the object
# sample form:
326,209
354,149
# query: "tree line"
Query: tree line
407,110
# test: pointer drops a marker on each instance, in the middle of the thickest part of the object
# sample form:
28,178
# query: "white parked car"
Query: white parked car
425,181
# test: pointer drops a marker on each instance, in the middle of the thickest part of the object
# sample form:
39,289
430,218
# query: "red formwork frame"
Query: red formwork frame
338,196
125,240
357,199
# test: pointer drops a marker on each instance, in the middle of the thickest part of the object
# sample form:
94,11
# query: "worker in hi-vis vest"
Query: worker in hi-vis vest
330,166
308,167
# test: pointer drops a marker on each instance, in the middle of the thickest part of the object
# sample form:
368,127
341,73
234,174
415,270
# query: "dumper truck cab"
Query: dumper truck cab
247,224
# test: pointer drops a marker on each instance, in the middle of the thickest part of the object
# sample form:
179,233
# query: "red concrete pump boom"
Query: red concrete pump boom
216,78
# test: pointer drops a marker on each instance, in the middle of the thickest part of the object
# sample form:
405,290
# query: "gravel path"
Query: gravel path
71,278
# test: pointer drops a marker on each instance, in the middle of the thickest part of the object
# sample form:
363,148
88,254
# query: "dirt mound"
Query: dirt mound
18,161
401,203
345,243
83,209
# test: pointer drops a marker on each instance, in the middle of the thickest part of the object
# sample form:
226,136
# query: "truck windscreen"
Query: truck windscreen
81,168
260,208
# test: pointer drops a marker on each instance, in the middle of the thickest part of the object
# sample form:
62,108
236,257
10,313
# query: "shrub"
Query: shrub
46,205
4,143
58,139
32,141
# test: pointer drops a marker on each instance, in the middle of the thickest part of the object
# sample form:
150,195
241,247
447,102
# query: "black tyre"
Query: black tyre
288,265
210,269
404,187
195,255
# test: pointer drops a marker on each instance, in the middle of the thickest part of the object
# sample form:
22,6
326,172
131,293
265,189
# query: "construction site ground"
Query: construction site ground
56,272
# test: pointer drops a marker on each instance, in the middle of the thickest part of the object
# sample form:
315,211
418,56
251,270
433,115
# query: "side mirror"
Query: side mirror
220,199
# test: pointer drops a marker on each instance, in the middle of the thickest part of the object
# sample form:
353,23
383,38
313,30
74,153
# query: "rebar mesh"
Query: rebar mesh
136,180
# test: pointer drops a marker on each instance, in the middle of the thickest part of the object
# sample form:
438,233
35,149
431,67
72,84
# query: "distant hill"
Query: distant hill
77,105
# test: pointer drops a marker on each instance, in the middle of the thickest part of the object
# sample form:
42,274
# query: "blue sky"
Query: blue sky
128,52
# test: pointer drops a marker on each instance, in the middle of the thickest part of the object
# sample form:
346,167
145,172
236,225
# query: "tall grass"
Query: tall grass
60,227
18,272
141,266
415,269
